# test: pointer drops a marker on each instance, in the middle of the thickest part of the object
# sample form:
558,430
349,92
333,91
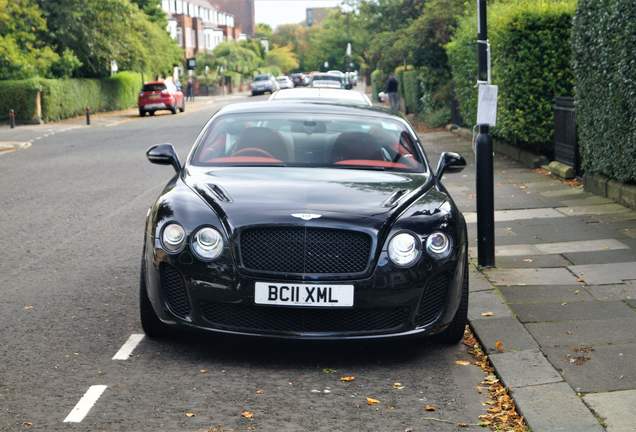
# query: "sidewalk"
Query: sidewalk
562,299
27,134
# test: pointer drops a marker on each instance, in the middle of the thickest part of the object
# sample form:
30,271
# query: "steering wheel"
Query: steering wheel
253,151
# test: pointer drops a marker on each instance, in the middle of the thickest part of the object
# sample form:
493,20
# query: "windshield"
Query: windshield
309,140
327,78
261,78
154,87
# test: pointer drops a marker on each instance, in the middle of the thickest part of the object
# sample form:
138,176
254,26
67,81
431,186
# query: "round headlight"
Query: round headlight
173,237
438,245
208,243
404,249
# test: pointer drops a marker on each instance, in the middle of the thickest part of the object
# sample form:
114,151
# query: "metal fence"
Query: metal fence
566,149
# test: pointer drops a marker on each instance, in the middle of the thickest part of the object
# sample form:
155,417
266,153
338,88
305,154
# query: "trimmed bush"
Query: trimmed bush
530,63
18,95
604,41
377,84
69,97
410,88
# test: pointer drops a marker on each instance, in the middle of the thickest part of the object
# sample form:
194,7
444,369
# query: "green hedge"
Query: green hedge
377,84
18,95
410,86
69,97
604,41
530,42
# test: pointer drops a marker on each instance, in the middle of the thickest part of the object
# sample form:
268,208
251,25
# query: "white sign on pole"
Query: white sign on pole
487,105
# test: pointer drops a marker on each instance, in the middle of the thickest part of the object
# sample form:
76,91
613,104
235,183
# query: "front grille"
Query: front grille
174,291
432,300
298,320
305,250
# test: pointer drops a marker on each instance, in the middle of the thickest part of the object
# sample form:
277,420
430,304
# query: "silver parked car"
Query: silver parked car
264,83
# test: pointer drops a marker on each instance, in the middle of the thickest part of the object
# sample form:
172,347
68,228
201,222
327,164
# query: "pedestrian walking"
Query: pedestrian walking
392,87
190,90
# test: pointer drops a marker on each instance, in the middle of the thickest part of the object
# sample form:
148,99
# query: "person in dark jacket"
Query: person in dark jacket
391,89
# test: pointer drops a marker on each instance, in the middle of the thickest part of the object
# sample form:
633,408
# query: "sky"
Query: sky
275,12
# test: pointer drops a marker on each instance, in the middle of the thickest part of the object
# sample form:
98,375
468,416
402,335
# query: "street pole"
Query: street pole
483,158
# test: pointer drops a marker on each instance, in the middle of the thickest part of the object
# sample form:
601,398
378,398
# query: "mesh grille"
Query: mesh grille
432,300
305,250
297,320
174,291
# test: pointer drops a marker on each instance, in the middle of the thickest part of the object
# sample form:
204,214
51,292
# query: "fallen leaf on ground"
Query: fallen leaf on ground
28,307
430,408
487,314
190,414
328,370
259,391
462,362
203,370
398,386
371,401
347,378
247,414
528,260
499,346
27,424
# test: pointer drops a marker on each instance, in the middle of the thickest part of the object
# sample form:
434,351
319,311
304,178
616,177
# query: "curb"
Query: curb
622,193
541,395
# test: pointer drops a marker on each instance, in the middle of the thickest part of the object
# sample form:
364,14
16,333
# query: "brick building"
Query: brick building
243,11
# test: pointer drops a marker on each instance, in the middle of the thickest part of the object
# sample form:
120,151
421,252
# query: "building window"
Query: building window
180,36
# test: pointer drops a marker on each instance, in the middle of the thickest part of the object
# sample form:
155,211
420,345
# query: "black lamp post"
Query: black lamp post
483,158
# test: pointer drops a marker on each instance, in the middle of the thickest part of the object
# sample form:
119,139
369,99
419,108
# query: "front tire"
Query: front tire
142,113
173,109
182,107
455,330
150,323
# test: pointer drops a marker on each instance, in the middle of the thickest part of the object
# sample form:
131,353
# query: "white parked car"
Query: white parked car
326,95
284,82
327,81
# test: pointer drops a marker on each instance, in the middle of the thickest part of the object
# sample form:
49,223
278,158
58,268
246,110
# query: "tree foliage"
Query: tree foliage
283,58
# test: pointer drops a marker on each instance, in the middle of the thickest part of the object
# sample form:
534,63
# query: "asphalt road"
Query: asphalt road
72,211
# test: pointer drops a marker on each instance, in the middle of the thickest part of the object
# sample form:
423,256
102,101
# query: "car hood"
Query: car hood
255,195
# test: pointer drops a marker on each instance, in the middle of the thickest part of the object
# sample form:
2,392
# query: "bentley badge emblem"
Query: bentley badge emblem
306,216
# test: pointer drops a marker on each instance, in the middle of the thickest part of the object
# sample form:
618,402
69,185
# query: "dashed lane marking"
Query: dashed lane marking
85,404
128,347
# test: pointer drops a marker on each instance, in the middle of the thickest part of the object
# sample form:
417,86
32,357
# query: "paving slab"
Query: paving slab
524,368
554,408
545,294
558,247
518,214
580,310
615,408
584,332
488,303
601,274
532,261
625,291
607,368
509,331
601,209
587,201
477,282
600,257
565,192
530,276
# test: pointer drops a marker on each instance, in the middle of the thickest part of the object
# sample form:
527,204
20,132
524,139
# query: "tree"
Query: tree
23,53
236,59
263,31
152,8
99,31
283,58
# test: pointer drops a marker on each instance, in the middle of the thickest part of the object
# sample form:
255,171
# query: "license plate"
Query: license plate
156,105
291,294
154,96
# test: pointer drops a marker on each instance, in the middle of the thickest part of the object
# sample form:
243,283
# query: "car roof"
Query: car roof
154,82
321,94
305,106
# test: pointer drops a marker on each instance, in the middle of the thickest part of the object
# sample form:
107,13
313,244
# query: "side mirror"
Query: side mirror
164,154
449,162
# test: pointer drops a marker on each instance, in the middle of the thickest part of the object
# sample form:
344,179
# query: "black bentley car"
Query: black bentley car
305,220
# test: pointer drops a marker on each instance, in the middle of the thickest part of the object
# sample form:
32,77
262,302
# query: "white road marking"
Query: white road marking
85,404
128,347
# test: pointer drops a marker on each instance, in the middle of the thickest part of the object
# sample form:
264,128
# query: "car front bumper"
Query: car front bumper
391,302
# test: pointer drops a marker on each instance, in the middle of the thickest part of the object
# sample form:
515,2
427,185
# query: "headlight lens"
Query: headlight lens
438,245
404,249
208,243
173,237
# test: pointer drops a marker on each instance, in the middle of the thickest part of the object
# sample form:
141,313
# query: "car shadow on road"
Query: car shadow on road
274,352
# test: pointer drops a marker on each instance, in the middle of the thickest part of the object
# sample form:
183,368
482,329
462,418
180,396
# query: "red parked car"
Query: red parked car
160,95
